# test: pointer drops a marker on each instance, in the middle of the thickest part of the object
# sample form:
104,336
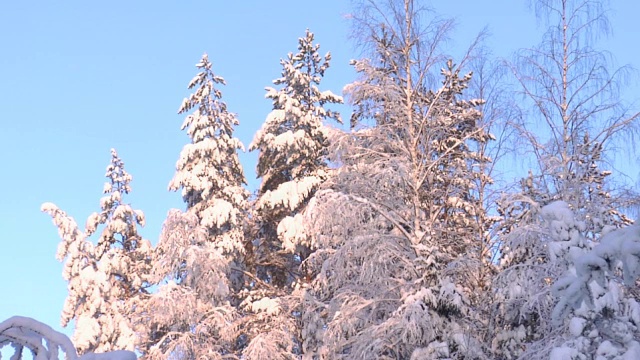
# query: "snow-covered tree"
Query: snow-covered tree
535,251
534,255
108,279
594,309
292,163
565,299
209,170
574,113
574,107
292,145
190,314
397,250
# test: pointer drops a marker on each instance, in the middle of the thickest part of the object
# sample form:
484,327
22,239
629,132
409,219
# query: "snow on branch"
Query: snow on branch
617,249
22,332
45,343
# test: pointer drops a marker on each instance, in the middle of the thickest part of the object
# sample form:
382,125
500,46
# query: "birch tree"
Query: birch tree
573,103
395,249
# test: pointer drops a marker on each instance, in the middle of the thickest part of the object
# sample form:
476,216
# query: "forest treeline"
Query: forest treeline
395,237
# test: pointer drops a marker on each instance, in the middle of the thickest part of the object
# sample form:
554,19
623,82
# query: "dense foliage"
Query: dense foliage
389,239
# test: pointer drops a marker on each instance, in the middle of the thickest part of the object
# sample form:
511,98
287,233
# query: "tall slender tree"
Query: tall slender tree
292,145
292,163
200,249
397,233
209,170
574,107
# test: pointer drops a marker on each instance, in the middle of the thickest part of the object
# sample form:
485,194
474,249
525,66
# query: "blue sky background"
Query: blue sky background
80,77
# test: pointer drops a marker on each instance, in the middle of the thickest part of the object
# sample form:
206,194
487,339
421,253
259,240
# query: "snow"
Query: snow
562,225
45,342
576,326
268,305
564,353
435,350
290,194
292,232
633,351
606,350
217,214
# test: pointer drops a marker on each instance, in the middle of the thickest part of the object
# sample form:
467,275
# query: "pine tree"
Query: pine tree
292,145
108,280
199,251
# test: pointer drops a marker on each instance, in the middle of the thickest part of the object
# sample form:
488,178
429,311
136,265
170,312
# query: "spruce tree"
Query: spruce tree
199,251
292,145
108,281
209,170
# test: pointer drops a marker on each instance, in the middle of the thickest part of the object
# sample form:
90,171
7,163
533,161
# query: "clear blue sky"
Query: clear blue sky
80,77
